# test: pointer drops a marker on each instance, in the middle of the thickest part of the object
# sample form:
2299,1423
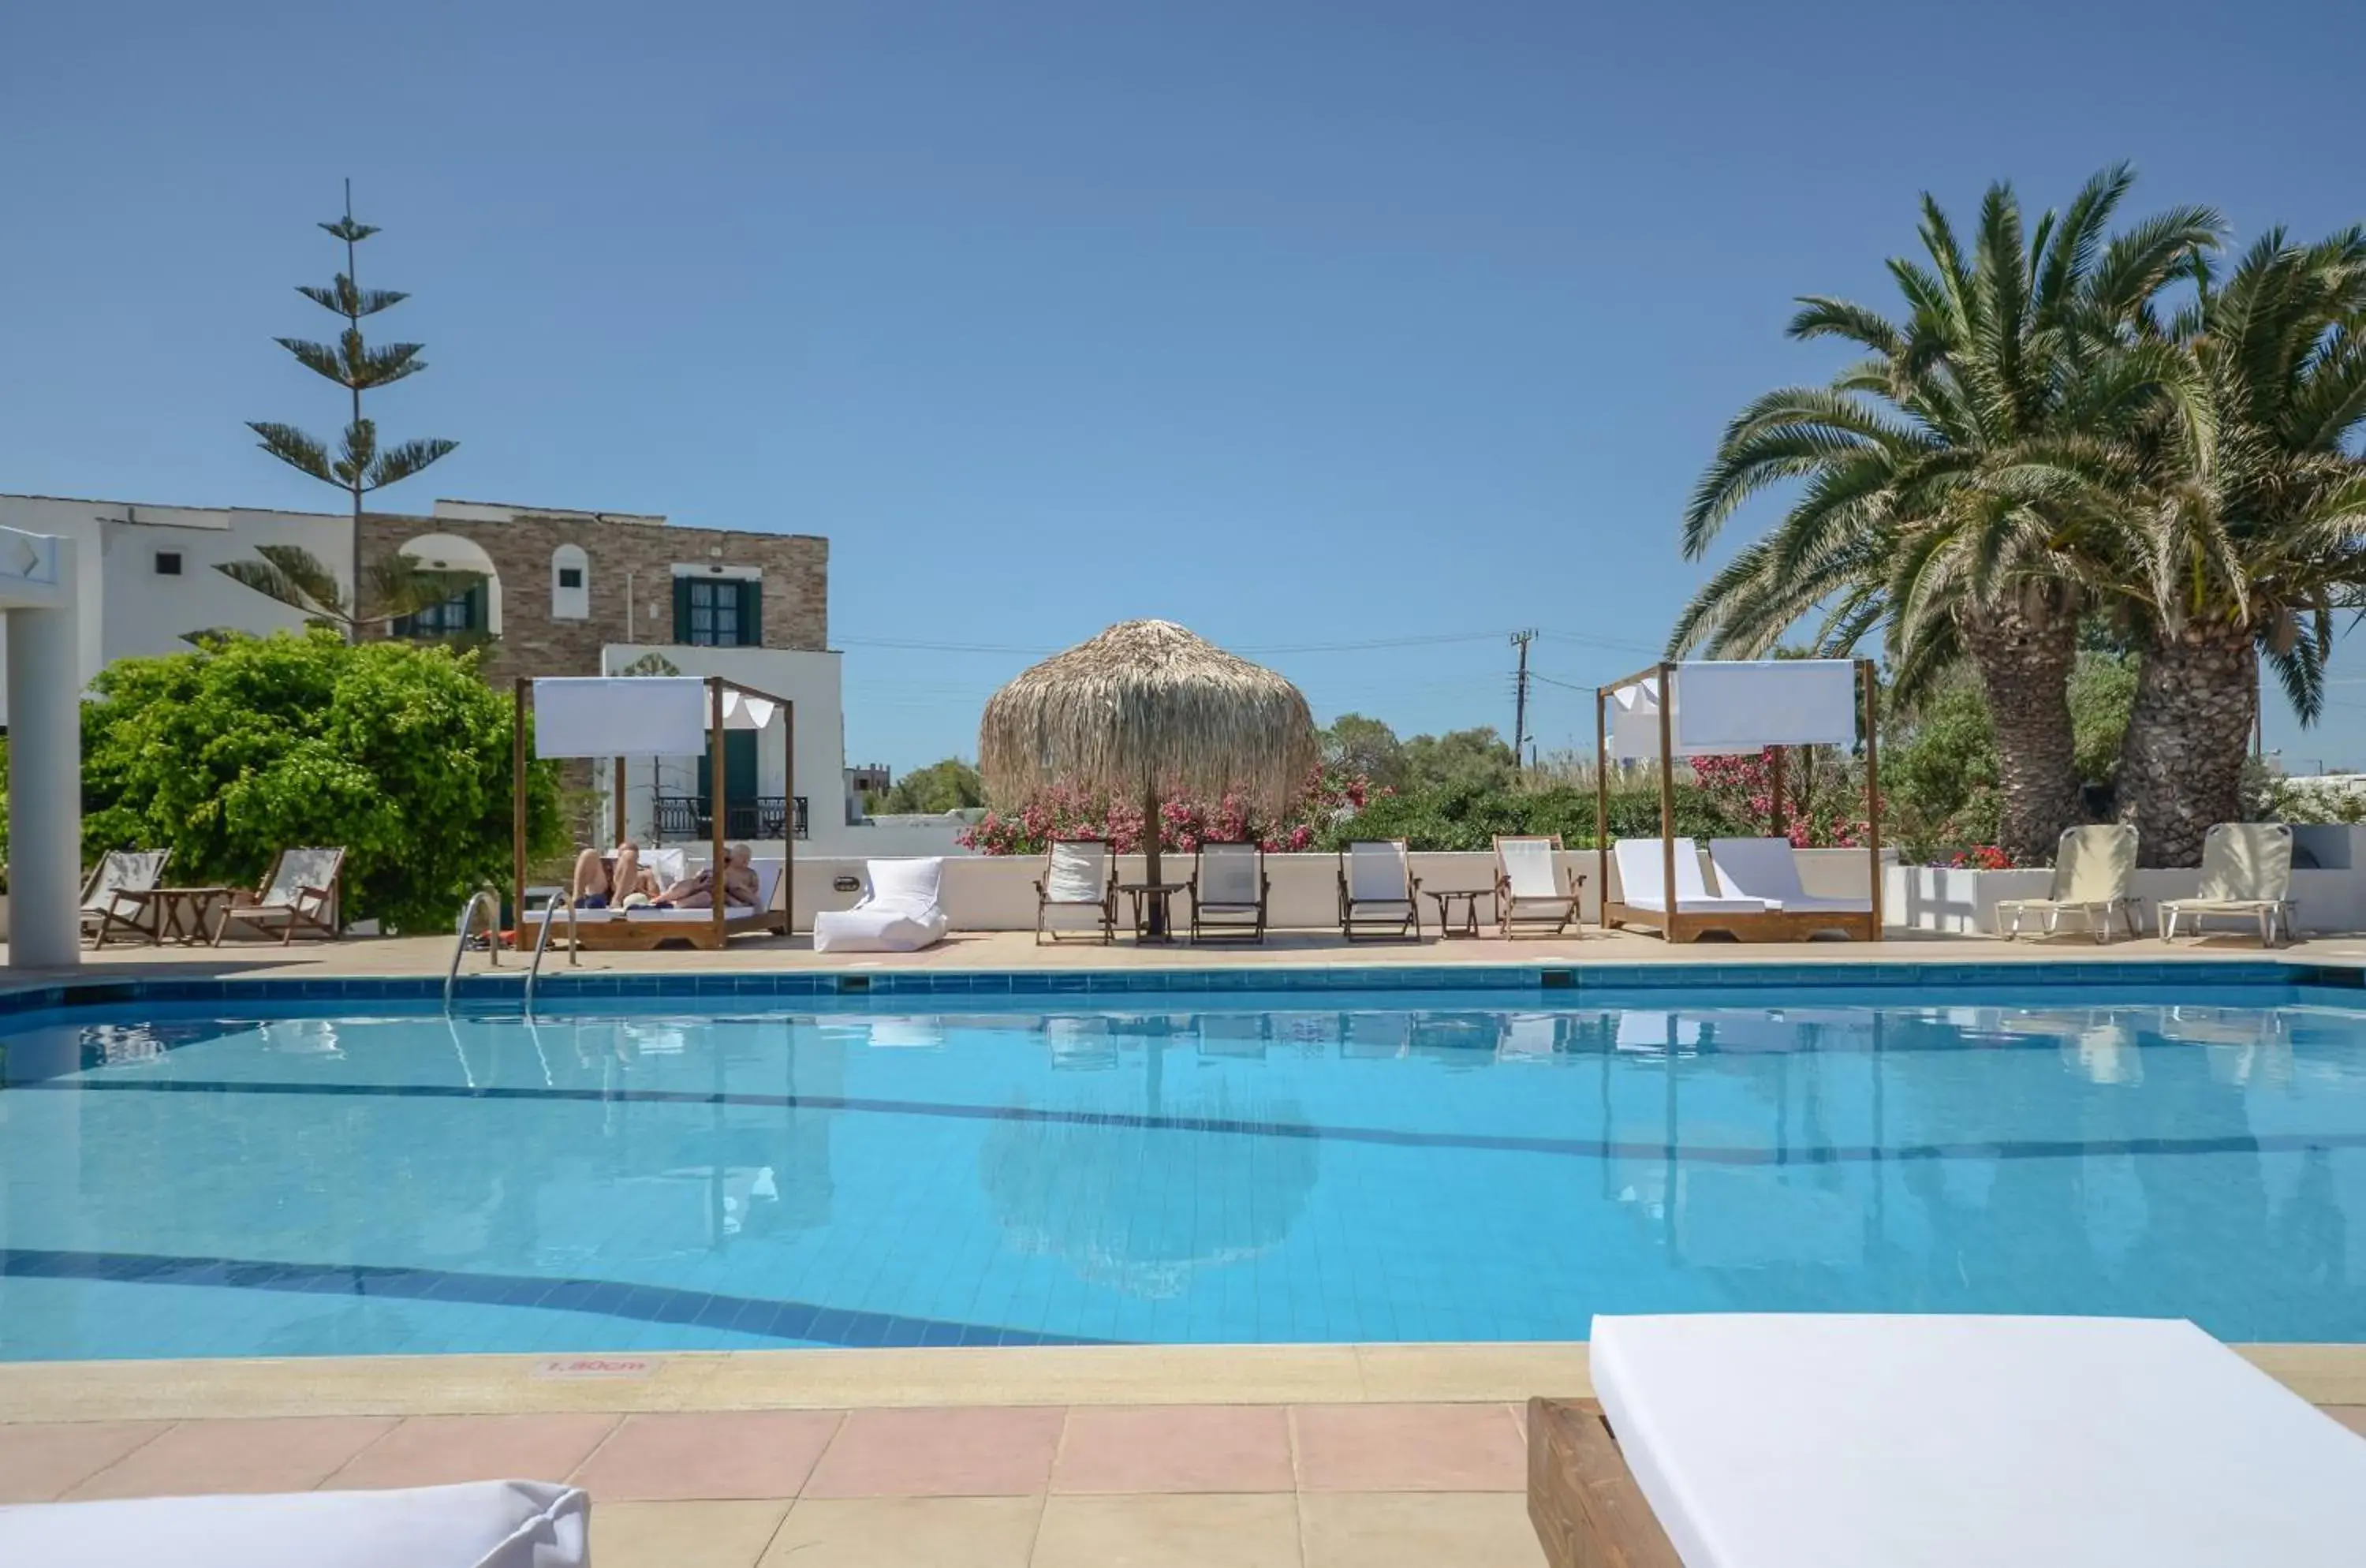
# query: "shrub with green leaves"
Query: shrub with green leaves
399,752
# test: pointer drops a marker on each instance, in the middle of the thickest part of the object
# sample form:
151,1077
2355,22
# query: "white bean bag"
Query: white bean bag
898,914
486,1524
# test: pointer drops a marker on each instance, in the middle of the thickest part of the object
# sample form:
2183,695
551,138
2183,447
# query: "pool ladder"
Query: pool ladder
542,944
490,902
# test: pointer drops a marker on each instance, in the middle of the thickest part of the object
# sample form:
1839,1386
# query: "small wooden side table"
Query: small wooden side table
1469,896
180,914
1154,908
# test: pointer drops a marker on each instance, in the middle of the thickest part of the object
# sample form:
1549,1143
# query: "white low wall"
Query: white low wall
1939,899
988,893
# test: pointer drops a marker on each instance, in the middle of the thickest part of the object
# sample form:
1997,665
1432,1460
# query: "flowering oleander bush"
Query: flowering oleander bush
1184,824
1982,857
1824,804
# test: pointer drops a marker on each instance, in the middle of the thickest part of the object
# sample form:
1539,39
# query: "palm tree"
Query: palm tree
295,575
1942,494
2242,522
392,587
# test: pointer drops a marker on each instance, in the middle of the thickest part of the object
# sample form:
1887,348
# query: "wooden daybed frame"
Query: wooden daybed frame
1582,1499
624,932
1674,923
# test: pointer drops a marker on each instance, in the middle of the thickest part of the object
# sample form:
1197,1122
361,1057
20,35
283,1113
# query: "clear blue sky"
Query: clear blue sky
1305,324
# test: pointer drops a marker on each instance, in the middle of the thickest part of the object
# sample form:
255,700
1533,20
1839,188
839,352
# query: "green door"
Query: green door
739,776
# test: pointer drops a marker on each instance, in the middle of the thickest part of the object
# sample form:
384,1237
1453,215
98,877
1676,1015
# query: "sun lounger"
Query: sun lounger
898,911
486,1524
1078,875
1377,891
1530,889
1643,900
2246,874
105,908
1229,891
1767,869
299,893
646,927
2092,866
1785,1440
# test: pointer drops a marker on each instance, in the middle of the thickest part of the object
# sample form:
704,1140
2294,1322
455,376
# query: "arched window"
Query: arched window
570,584
477,609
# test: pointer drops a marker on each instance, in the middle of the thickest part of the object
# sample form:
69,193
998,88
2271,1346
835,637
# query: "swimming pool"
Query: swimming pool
218,1179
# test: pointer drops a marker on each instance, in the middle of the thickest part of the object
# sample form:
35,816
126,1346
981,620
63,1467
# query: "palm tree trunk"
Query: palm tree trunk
2182,760
2024,654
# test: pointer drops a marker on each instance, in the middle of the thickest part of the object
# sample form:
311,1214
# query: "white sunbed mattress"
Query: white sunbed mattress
1792,1440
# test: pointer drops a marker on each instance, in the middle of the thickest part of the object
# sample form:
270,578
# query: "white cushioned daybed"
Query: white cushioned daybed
490,1523
898,911
1839,1441
645,927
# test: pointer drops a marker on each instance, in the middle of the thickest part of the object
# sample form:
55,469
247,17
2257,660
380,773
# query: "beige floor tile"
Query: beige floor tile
42,1462
1169,1532
442,1450
1410,1447
1419,1530
2351,1415
712,1454
1511,1373
1181,1447
907,1532
293,1454
939,1454
683,1535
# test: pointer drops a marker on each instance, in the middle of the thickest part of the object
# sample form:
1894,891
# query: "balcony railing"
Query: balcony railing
759,816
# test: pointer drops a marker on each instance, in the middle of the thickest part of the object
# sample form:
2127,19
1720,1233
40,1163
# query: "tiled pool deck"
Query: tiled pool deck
1315,1455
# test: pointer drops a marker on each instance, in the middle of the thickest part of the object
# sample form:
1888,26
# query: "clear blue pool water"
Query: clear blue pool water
1380,1167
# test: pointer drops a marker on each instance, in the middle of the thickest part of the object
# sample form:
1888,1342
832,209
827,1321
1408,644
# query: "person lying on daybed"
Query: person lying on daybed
696,891
597,886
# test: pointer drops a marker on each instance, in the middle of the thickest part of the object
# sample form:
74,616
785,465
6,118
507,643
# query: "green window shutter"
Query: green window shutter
681,609
752,614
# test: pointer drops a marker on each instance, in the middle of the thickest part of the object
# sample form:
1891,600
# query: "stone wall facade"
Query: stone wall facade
794,569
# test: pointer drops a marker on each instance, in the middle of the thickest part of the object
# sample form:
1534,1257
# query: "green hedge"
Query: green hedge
1469,817
397,751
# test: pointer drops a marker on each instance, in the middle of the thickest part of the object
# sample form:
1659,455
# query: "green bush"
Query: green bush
397,751
1472,816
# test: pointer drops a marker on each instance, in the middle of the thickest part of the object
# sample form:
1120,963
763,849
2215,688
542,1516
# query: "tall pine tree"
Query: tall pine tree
390,588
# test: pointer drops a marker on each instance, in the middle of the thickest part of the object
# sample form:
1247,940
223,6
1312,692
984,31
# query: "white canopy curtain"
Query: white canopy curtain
648,715
1738,705
1720,707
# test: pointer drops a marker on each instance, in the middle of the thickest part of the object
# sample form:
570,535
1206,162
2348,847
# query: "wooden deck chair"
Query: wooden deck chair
1528,892
300,894
2092,866
1078,874
105,910
1377,891
2246,873
1228,891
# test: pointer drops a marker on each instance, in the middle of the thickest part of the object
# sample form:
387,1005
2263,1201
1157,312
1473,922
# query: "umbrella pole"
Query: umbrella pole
1151,830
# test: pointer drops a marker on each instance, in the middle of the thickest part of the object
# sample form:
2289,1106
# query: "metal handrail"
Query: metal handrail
492,902
542,944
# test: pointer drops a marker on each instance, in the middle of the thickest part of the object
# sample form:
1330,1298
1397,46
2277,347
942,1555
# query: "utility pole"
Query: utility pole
1520,701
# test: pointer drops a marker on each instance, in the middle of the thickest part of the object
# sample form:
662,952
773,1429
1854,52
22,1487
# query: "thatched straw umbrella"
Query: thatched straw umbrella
1146,710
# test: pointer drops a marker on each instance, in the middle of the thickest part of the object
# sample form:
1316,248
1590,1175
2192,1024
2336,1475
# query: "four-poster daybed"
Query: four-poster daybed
655,716
1735,706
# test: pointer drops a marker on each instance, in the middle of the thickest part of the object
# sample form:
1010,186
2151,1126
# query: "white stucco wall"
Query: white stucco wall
128,611
808,678
1940,898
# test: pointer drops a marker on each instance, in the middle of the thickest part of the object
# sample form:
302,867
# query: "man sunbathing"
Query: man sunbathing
597,886
696,891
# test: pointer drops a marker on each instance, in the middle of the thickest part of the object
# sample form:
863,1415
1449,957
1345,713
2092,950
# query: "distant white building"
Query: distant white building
566,593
